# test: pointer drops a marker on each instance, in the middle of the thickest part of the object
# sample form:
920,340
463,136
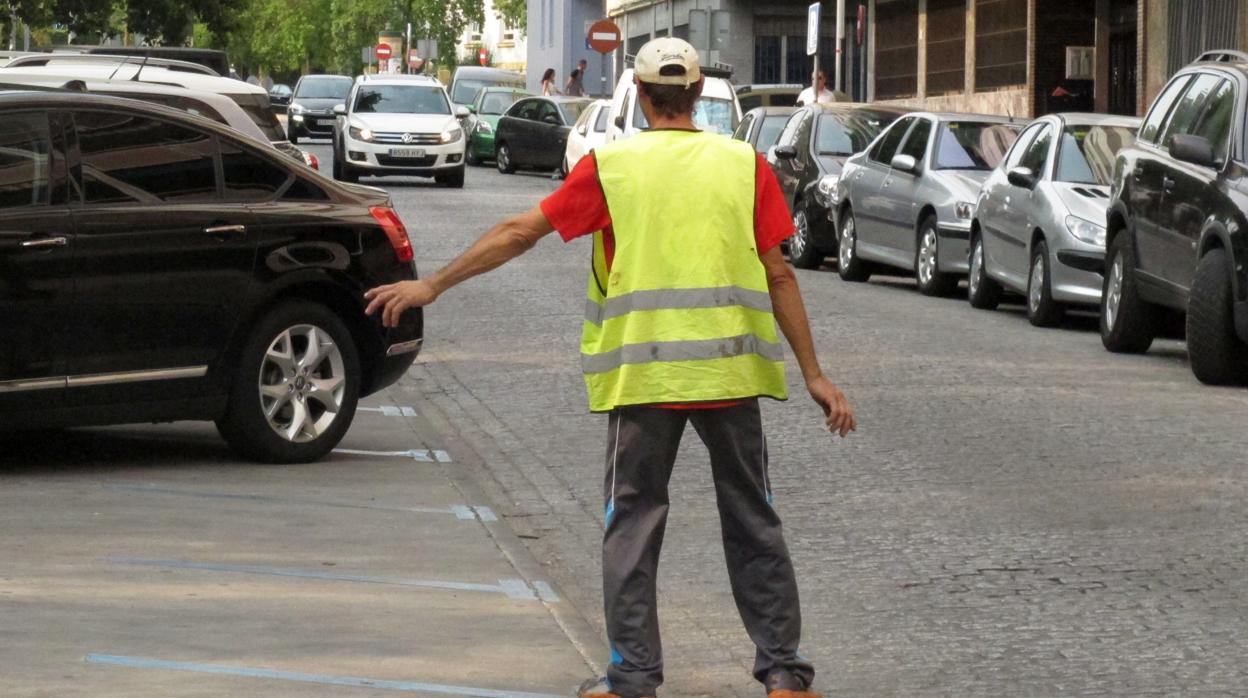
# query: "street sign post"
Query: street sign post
604,36
812,46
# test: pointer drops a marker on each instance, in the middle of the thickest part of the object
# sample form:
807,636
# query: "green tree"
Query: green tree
282,35
444,21
172,21
514,13
86,16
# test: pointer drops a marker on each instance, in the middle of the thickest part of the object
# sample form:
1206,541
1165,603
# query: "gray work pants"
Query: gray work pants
641,450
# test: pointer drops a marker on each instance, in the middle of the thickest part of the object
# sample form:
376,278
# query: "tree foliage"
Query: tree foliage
513,13
170,22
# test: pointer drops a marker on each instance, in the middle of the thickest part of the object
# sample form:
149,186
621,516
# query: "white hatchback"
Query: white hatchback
589,132
399,125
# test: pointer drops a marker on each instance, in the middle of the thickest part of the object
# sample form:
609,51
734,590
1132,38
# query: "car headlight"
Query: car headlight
296,109
827,189
484,127
1086,230
452,134
360,134
964,210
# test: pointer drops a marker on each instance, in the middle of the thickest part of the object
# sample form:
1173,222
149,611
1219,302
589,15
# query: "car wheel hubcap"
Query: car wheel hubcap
797,245
1035,293
504,157
927,257
846,252
1114,296
302,383
977,266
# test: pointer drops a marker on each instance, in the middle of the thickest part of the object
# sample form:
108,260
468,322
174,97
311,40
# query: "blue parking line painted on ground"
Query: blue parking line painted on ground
456,509
326,679
513,588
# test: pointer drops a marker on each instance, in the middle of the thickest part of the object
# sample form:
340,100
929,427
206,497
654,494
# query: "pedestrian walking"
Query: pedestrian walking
548,83
686,288
575,87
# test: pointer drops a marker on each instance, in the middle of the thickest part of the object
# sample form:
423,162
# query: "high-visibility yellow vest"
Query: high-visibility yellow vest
684,314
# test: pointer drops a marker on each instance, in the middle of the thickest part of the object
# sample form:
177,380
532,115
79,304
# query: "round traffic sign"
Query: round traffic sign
382,51
604,36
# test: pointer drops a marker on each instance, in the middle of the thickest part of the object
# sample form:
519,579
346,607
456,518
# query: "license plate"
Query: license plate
407,152
324,122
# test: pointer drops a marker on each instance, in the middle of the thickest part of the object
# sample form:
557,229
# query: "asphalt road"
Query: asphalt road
1019,513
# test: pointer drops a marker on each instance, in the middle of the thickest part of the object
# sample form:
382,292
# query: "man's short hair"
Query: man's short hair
671,100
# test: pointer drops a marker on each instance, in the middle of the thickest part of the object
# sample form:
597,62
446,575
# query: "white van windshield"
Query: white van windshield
709,114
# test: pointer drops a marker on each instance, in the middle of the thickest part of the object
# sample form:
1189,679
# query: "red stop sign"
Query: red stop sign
483,56
382,51
604,36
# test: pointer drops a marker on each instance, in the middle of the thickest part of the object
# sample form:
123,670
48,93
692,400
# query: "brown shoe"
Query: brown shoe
596,688
786,693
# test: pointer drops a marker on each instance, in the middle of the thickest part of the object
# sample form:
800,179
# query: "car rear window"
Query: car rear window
973,145
24,160
127,159
261,114
572,110
1086,154
463,91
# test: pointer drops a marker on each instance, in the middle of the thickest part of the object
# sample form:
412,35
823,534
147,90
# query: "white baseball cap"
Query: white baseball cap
665,51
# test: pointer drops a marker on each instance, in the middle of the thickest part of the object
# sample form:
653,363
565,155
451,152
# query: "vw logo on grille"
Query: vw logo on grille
408,138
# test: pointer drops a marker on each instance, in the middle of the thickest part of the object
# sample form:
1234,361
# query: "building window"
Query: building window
1000,43
896,49
946,46
681,31
635,43
1197,26
766,60
797,64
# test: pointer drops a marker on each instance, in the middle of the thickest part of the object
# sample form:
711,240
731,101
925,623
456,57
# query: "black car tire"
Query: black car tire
1217,355
939,283
983,291
850,266
1042,310
454,180
337,166
292,135
803,252
1132,328
350,174
502,158
245,426
471,157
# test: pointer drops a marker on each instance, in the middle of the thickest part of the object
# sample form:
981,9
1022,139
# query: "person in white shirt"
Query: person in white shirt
826,96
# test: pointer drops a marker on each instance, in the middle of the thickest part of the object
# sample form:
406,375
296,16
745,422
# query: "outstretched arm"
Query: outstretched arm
786,303
505,241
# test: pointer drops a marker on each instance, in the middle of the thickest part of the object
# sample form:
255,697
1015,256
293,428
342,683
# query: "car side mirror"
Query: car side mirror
905,163
472,109
619,122
1021,177
583,130
462,112
1194,149
784,152
340,109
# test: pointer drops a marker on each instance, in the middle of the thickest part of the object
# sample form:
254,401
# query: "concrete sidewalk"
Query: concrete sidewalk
148,561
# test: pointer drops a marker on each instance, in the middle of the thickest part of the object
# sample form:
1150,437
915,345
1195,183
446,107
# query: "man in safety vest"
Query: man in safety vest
686,289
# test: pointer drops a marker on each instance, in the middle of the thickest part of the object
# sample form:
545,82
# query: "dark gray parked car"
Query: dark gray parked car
311,110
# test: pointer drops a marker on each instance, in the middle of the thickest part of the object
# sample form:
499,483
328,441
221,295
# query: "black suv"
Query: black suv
1178,222
156,266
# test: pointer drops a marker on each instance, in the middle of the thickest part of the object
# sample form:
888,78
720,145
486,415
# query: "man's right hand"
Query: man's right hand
839,415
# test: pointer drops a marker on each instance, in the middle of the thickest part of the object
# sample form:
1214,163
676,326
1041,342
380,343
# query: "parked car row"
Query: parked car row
1140,220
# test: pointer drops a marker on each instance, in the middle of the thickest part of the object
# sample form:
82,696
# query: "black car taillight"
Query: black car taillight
395,232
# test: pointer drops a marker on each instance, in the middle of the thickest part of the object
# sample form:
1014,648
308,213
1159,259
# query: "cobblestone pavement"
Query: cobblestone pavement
1020,512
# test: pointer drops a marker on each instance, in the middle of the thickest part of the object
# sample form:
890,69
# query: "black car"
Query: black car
761,126
158,267
279,98
808,158
533,134
311,109
1177,234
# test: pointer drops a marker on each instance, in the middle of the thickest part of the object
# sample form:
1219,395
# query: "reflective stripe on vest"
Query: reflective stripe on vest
683,313
674,299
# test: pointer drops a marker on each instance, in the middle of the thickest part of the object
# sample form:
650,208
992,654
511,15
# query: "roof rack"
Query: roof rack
1222,56
43,59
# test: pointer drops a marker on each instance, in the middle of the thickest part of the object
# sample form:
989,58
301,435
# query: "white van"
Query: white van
717,110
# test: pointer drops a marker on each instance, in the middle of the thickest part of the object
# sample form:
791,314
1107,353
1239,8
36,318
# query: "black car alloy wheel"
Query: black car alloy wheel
295,389
1127,321
502,158
983,291
802,250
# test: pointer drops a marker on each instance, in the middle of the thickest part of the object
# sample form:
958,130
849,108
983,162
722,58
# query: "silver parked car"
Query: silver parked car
907,201
1039,225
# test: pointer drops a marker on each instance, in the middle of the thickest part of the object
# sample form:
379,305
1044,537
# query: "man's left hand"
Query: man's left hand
393,299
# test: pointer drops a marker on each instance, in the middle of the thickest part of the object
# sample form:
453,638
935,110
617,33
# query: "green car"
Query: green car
487,107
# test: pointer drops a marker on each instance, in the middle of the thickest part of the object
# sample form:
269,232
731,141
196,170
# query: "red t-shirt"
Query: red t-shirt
579,208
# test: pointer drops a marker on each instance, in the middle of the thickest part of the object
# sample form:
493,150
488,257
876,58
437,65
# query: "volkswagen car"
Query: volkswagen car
907,201
1039,225
399,125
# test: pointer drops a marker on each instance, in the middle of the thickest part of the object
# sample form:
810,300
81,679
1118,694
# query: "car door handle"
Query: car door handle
858,175
44,242
226,230
1167,184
